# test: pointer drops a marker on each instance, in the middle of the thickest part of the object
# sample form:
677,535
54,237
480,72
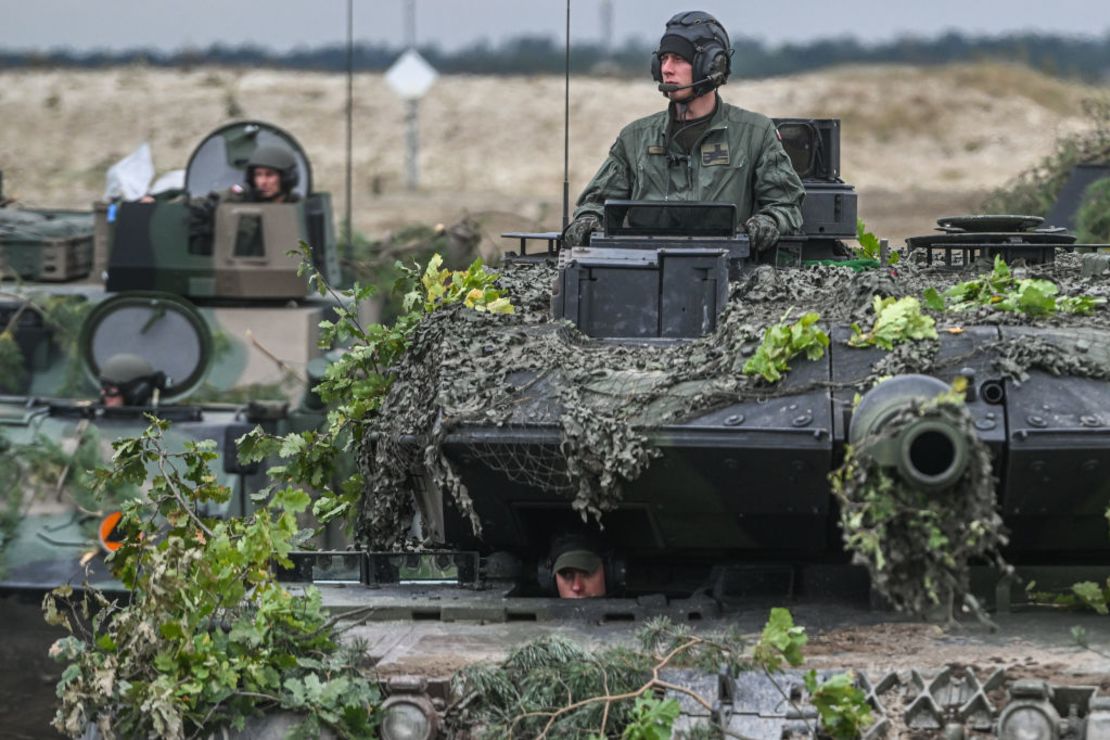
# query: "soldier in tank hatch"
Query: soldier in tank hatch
700,148
271,176
129,380
577,567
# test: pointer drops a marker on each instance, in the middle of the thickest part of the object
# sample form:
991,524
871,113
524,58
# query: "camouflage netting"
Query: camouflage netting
468,369
917,545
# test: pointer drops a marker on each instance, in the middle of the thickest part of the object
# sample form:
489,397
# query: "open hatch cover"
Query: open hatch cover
163,329
220,160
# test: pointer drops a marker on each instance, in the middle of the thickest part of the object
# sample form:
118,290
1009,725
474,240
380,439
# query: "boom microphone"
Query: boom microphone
665,87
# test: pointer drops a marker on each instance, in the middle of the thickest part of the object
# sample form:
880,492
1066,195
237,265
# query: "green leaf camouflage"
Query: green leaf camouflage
897,320
782,342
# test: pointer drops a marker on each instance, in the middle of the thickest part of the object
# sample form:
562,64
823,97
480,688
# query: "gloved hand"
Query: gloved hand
578,231
763,232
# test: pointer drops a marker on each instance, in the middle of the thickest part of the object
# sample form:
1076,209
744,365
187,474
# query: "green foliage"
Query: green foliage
63,315
13,374
917,544
241,394
554,684
208,636
356,384
869,246
897,320
519,697
781,640
1093,596
1002,292
440,287
1081,595
11,494
1034,191
842,705
553,687
652,719
1092,221
782,342
40,469
378,263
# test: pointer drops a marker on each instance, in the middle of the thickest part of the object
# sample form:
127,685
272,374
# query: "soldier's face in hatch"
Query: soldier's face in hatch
111,396
677,71
578,584
267,182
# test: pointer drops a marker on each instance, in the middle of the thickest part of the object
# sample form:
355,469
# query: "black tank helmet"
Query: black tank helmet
698,38
133,377
276,158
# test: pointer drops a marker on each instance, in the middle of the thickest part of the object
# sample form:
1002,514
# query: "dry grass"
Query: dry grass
493,146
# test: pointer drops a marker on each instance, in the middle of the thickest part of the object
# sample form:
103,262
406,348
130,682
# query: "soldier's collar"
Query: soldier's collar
672,112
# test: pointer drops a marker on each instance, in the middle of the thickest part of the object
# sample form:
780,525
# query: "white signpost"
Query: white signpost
411,77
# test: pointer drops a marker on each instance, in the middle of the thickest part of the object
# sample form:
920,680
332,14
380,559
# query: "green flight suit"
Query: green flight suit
739,159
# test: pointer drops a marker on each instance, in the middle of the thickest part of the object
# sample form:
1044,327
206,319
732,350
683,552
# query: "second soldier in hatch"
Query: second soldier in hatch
700,148
271,176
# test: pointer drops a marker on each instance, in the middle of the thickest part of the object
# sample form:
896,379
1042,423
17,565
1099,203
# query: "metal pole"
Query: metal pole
410,23
412,144
350,250
566,129
412,140
607,26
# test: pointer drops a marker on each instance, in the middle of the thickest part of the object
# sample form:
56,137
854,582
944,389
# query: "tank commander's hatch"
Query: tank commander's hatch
220,160
163,329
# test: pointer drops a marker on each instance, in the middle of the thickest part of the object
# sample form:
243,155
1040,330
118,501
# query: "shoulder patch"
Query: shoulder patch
714,154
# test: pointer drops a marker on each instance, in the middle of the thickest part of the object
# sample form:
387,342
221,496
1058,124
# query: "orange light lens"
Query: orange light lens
110,539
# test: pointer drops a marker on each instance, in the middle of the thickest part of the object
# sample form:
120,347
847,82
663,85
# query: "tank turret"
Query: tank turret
224,238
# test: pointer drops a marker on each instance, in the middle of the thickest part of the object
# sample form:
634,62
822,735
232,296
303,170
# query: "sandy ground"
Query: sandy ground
917,143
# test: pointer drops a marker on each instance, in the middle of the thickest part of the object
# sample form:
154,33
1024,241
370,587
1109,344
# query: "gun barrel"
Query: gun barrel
929,453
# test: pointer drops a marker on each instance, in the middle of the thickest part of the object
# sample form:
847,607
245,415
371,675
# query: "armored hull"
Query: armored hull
677,453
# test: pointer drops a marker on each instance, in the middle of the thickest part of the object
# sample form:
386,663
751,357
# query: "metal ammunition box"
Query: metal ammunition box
47,246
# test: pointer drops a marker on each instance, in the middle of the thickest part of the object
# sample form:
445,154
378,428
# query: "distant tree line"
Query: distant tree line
1086,58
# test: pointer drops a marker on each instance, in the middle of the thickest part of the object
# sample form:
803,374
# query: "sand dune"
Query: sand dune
916,142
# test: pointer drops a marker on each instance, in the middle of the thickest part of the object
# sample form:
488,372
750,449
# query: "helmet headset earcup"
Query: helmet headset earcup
139,391
289,178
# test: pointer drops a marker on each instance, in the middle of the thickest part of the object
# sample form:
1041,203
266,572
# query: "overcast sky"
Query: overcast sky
284,24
